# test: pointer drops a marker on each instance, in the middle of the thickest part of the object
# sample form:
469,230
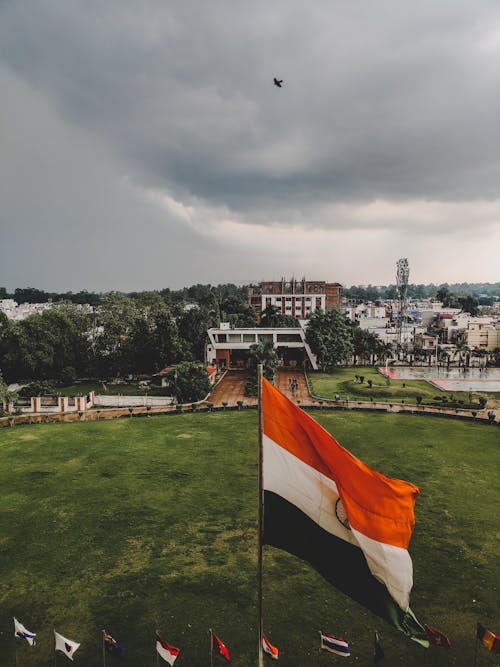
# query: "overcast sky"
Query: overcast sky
143,144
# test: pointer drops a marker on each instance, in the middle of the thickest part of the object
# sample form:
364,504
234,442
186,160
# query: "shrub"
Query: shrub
370,383
38,388
68,375
482,402
419,399
361,379
190,381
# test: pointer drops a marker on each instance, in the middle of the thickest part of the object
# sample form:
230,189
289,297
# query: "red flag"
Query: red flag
168,652
269,648
219,647
437,638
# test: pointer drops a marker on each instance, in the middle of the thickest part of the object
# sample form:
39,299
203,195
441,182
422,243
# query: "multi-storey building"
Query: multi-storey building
299,298
228,347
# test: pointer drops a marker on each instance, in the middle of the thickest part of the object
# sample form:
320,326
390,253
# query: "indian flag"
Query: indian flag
350,522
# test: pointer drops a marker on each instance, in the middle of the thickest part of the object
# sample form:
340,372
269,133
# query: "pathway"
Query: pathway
231,389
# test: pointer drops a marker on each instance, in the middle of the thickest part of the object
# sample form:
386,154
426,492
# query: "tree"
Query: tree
111,334
260,353
237,312
469,304
193,325
265,354
154,338
329,335
189,382
271,317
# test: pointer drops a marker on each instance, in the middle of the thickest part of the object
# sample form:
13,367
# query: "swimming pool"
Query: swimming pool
449,379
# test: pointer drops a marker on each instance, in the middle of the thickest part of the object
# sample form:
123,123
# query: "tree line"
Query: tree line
484,293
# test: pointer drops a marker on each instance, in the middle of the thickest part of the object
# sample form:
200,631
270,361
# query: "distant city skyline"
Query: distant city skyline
146,146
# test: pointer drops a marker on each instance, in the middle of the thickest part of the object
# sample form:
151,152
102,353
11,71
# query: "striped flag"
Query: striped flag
20,631
350,522
488,639
334,645
168,652
269,648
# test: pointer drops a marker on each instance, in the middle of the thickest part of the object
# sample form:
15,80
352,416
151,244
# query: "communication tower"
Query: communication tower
402,275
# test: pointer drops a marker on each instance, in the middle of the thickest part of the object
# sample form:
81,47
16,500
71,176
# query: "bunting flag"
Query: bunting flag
350,522
20,631
378,651
269,648
437,638
488,639
334,645
111,645
168,652
219,647
65,645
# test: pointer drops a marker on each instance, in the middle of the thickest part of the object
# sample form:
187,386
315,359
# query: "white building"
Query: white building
228,348
15,311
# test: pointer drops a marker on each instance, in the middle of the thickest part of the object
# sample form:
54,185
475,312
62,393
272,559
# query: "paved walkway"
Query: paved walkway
284,380
231,389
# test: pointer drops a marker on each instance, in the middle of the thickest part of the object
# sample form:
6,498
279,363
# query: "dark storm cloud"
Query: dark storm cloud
380,99
384,105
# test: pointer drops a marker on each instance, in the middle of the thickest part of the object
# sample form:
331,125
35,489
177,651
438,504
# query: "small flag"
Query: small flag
488,639
269,648
378,653
334,645
111,645
66,646
219,647
168,652
437,638
20,631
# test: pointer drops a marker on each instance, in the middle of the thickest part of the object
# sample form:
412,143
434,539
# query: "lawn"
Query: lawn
137,524
342,382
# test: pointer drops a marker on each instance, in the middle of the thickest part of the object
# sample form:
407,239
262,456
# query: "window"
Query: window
234,338
265,337
221,338
248,338
288,338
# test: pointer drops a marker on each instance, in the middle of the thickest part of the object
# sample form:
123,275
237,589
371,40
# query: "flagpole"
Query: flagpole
261,522
103,650
17,664
211,648
475,651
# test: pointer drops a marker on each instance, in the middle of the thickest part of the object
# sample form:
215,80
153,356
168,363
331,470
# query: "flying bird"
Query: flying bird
278,82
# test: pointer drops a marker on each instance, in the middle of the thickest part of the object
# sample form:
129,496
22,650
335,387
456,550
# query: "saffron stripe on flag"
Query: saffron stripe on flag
350,522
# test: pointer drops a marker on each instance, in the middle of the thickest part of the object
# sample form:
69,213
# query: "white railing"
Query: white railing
132,401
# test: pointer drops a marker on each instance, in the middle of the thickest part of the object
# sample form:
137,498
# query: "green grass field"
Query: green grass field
342,382
137,524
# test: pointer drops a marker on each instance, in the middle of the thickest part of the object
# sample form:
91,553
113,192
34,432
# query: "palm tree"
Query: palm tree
265,354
